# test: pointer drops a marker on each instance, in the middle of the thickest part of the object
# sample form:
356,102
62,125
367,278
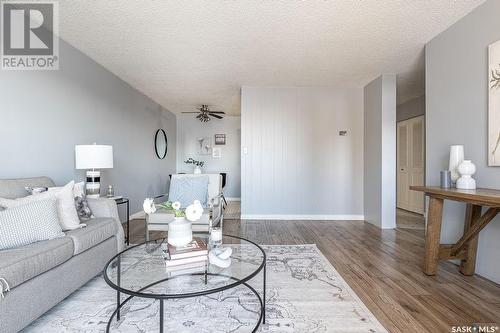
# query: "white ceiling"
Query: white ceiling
186,53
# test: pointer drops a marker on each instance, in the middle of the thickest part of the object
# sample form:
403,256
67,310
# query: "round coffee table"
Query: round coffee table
140,271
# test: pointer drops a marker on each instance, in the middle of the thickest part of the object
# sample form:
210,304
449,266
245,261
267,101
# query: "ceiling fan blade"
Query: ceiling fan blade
220,112
191,112
216,116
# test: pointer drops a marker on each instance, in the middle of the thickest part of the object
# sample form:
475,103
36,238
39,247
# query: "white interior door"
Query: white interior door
402,165
410,163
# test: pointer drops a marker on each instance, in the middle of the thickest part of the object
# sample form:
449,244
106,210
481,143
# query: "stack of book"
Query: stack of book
190,258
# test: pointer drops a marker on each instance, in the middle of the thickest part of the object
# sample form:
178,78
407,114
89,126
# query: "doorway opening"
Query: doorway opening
410,171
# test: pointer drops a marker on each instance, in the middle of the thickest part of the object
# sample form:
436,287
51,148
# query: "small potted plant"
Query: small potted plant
197,164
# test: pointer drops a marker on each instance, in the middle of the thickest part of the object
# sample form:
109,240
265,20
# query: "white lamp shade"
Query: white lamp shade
93,157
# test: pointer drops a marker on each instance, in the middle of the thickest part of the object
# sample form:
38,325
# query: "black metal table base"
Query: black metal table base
262,300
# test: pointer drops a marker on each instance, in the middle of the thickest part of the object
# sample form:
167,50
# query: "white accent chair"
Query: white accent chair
213,215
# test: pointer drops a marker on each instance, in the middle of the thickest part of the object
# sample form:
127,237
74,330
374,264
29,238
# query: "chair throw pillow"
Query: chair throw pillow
188,189
29,223
68,217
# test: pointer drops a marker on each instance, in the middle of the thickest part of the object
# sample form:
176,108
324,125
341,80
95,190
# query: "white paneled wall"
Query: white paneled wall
294,162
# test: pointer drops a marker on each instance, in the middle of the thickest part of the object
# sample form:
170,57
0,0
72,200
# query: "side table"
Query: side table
465,249
122,201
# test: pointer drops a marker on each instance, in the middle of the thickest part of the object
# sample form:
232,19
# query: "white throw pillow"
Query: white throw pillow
68,217
79,190
29,223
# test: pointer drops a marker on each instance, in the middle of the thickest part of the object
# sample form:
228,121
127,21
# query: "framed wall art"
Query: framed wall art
220,139
494,104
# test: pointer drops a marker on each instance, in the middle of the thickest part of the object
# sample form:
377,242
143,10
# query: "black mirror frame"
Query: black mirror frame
166,144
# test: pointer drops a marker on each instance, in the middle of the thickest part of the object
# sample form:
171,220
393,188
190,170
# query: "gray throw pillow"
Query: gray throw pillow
29,223
83,209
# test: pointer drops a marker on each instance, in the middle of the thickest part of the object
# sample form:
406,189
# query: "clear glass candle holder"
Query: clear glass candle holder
216,236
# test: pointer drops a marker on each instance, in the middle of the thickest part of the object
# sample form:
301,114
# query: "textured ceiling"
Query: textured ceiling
186,53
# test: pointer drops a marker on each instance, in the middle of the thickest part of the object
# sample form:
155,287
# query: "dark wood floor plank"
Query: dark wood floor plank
384,267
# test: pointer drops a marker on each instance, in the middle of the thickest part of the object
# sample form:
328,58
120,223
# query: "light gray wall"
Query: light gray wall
294,163
457,113
380,152
410,109
189,129
44,114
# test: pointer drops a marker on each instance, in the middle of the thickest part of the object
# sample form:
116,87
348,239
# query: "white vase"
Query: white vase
197,170
180,232
456,158
466,170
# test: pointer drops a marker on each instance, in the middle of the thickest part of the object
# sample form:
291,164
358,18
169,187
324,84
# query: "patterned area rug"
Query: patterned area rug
304,294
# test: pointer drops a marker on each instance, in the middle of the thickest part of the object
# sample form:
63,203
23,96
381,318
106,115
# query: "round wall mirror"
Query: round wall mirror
161,144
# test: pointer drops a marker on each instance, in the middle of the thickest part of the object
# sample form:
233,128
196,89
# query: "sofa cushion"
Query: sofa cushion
23,263
97,231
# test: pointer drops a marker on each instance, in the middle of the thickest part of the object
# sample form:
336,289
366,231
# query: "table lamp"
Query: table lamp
93,158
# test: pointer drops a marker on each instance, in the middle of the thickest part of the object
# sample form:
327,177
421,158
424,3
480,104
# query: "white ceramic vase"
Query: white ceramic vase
197,170
466,170
180,232
456,158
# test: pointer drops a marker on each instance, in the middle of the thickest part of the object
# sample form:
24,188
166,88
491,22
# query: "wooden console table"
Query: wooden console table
466,247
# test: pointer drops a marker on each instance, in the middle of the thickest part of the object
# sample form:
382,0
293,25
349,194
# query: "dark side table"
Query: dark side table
124,201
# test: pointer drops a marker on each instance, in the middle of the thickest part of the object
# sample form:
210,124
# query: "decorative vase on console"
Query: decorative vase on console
466,170
456,158
197,170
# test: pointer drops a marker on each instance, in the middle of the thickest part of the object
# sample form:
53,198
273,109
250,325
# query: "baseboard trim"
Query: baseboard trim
303,217
233,199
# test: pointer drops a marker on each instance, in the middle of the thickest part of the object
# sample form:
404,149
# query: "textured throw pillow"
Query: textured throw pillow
188,189
68,217
29,223
82,208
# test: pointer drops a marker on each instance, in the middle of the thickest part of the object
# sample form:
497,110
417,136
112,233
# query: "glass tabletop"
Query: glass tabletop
141,270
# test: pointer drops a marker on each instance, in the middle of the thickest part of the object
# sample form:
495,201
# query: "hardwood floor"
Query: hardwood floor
409,220
384,269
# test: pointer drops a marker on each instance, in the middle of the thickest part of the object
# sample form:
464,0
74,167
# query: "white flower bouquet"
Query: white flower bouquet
192,212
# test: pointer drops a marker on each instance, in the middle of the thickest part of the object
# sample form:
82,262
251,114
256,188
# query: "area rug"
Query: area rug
304,294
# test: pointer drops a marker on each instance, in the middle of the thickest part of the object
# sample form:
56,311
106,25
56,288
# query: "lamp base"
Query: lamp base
93,184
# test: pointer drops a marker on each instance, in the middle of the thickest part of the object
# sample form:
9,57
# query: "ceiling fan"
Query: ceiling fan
205,113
